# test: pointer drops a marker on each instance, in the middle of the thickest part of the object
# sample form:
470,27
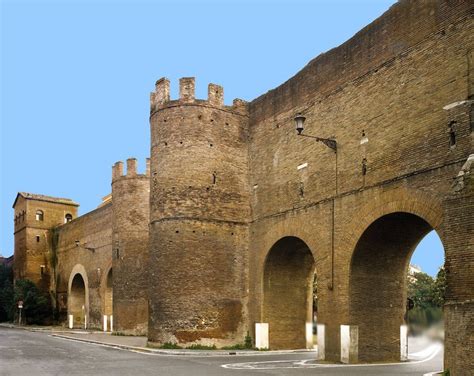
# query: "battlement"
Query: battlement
215,95
117,169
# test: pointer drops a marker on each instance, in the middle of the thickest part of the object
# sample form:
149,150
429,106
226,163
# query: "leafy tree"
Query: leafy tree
440,288
428,296
421,290
36,305
6,293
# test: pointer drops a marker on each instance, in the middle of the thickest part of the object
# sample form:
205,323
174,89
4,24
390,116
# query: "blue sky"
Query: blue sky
76,78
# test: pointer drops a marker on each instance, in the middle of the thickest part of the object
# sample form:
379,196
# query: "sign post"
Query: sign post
20,307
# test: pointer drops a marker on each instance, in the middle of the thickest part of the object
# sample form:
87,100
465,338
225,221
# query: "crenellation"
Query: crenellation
117,170
131,167
187,89
215,94
162,91
240,106
147,171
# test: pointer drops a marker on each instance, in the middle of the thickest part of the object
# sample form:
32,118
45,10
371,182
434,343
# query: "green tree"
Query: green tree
440,288
421,290
428,296
36,305
6,293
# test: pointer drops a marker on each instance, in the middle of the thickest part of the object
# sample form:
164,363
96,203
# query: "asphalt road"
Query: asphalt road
33,353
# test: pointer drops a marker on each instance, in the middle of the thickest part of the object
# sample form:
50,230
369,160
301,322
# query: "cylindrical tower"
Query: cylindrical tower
131,212
199,213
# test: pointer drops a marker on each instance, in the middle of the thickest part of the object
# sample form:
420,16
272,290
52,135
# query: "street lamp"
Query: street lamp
299,123
330,143
78,244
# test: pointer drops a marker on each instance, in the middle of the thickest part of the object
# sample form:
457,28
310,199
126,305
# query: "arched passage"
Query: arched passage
108,294
288,288
78,296
378,282
77,301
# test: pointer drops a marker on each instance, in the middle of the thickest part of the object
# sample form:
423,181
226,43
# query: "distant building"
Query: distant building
412,271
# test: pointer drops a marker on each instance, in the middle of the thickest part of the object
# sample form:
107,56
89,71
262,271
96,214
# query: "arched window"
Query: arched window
67,218
39,215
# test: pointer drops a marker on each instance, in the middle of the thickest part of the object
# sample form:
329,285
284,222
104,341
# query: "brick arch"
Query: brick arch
426,206
384,239
288,271
78,270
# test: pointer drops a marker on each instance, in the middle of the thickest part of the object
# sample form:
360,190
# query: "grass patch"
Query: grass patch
170,345
201,347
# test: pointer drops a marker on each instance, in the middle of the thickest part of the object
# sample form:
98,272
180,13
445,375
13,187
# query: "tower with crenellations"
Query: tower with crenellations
130,216
199,216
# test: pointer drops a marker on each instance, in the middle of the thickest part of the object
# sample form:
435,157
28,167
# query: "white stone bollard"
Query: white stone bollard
105,323
403,343
309,335
321,341
85,321
111,323
349,343
261,335
71,322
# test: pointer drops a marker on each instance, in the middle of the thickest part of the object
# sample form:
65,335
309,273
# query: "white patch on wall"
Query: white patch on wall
301,166
455,104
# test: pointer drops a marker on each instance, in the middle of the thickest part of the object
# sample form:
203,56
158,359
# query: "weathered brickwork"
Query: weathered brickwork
199,217
130,197
237,212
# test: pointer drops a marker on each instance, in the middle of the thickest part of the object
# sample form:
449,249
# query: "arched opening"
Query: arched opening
288,293
67,218
378,283
77,301
108,294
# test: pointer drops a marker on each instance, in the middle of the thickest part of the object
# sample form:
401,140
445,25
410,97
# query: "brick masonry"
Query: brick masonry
242,211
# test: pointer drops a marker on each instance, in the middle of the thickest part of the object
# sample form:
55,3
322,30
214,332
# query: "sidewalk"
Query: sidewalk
137,343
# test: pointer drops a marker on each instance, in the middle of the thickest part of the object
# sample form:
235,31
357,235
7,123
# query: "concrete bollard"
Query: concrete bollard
85,321
105,323
349,343
309,335
71,322
111,323
321,341
261,335
403,343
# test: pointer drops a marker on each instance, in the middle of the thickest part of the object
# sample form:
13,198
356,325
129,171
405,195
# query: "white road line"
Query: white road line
433,351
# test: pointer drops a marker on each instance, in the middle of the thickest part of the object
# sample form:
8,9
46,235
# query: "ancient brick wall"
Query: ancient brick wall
130,197
388,96
94,231
198,217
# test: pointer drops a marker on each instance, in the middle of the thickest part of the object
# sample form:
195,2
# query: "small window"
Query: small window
39,215
68,218
37,238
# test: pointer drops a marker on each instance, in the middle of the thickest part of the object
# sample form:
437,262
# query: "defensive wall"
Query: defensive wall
237,212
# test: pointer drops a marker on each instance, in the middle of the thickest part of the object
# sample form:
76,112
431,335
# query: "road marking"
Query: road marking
429,353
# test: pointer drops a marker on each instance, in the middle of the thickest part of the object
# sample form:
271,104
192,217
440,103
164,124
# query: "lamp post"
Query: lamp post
332,144
299,122
78,244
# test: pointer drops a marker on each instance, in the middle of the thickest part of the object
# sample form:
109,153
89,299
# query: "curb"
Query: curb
183,352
